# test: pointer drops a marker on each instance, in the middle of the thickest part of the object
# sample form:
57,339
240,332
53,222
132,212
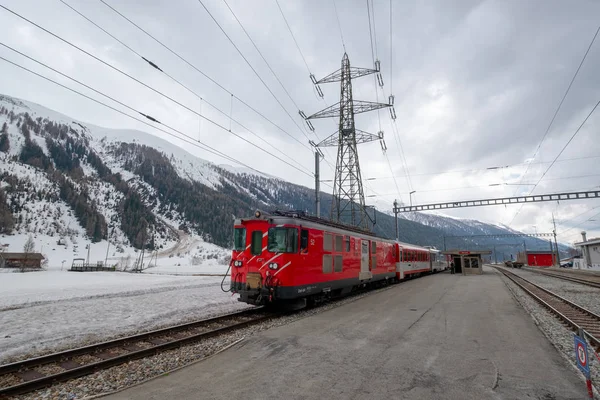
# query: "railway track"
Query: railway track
40,372
593,281
571,314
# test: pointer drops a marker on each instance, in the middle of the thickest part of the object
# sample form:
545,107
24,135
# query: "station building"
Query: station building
590,250
467,262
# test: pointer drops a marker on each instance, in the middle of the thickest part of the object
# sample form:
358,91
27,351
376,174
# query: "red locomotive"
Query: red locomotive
290,258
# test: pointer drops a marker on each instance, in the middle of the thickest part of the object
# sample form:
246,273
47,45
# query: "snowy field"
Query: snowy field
53,310
190,253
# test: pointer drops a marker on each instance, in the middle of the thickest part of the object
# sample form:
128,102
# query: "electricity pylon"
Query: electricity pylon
348,196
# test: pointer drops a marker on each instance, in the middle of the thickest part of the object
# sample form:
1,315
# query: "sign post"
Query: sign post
581,355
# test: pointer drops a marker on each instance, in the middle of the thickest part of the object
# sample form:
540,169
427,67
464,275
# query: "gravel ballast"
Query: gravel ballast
586,296
559,335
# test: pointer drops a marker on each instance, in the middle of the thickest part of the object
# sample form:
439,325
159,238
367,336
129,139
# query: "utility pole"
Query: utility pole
348,204
555,242
318,156
88,254
396,219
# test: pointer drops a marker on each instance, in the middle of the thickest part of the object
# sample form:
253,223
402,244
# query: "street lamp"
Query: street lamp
410,194
535,227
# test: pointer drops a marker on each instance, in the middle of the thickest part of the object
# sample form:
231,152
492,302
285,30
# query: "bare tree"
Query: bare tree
28,248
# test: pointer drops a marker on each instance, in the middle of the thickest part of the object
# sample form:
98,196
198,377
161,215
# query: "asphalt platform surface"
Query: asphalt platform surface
438,337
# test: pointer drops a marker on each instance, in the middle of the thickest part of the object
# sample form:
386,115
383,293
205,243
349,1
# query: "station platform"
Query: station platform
438,337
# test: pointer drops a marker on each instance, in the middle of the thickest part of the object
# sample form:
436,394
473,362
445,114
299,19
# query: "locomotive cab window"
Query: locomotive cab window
256,246
283,240
304,240
239,239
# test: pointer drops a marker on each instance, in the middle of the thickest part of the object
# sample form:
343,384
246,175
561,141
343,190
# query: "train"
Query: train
293,259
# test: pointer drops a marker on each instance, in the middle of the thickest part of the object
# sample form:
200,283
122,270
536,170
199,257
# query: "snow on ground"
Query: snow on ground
189,251
52,310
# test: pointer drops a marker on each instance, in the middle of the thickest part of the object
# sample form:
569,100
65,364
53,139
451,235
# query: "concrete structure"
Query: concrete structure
21,260
467,262
436,337
591,253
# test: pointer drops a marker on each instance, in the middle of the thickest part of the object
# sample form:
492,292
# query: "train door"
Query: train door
365,272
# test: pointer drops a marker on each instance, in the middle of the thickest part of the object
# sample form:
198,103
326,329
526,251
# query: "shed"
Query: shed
540,258
21,260
467,262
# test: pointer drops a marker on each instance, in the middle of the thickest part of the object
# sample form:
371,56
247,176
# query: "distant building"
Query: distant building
591,253
541,258
21,260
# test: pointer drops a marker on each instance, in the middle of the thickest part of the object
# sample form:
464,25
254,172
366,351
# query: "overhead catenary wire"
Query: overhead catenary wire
154,65
205,75
147,86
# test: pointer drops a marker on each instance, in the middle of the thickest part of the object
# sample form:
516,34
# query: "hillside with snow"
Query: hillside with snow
132,198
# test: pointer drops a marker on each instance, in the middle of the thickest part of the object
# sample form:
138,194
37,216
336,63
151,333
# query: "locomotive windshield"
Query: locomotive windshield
239,239
283,240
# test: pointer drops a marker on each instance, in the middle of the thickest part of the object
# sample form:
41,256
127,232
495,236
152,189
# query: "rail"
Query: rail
592,281
111,353
572,314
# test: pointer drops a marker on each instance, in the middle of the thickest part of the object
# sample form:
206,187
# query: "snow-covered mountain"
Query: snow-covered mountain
64,179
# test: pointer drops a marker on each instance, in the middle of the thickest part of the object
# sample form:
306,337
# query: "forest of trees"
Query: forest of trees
6,218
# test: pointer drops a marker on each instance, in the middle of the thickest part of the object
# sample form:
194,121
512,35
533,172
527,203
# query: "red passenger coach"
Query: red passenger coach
291,258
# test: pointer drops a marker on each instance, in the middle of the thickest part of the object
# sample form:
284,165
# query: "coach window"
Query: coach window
239,239
256,246
327,242
339,243
347,239
283,240
373,247
303,240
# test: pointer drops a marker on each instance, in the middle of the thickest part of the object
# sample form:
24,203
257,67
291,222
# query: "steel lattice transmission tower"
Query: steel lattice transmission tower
348,196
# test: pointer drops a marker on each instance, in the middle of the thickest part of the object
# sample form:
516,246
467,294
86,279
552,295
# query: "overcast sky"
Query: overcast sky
476,85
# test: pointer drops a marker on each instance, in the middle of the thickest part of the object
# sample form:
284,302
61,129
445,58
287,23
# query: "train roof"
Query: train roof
299,217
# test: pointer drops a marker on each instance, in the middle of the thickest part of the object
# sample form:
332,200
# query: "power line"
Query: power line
204,74
339,25
554,116
147,86
493,168
563,99
494,185
293,37
230,116
266,62
254,70
198,144
581,223
391,53
559,154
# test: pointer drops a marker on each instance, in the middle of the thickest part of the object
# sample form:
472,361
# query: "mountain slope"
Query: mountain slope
65,178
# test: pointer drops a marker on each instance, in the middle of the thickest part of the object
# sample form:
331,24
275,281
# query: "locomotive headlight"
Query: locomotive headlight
237,263
273,265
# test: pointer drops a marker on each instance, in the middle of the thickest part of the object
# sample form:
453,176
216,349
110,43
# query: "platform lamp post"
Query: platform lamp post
410,195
